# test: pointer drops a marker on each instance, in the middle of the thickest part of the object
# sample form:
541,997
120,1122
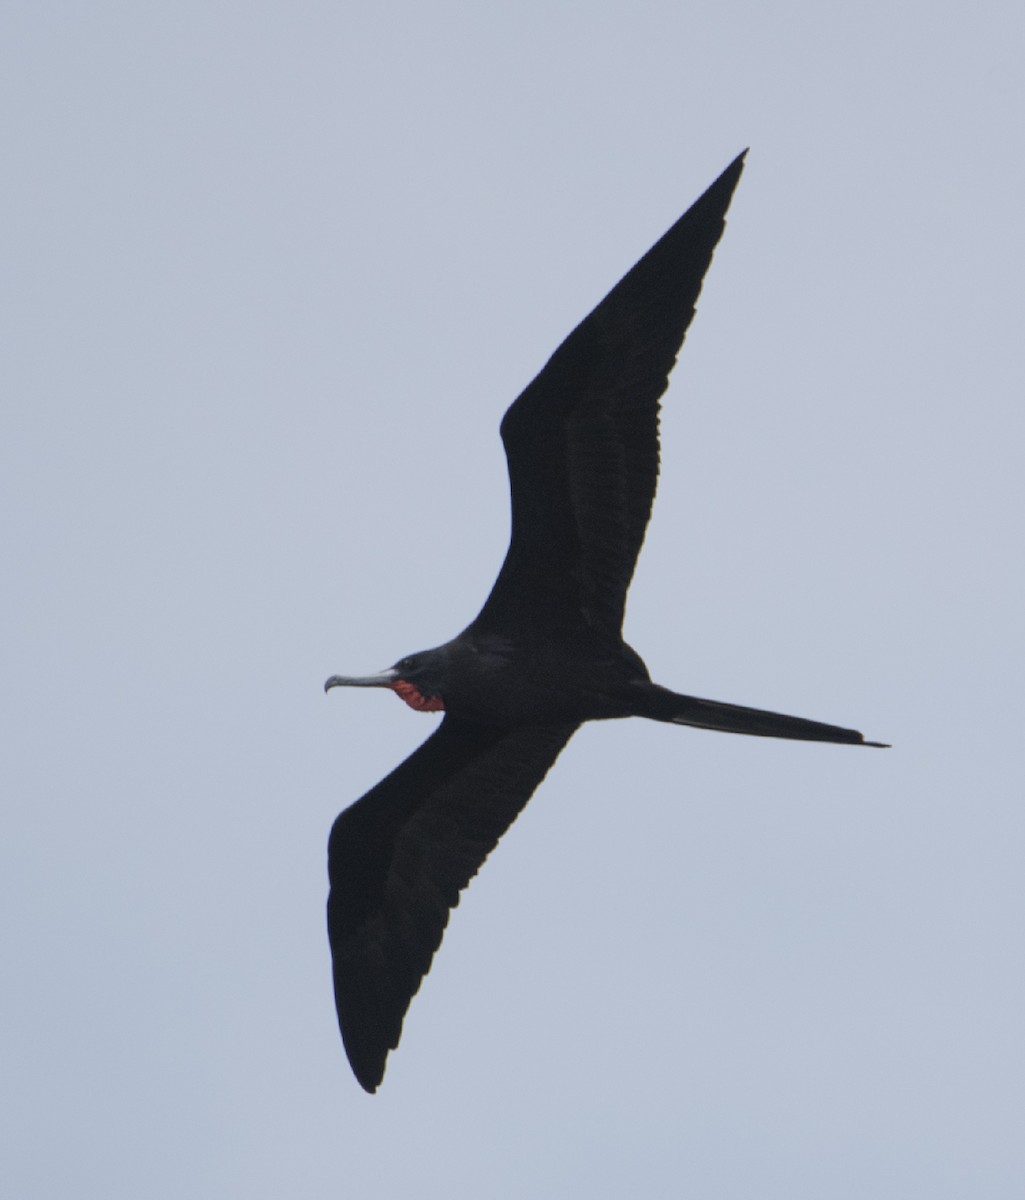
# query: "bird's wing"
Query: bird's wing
398,859
582,439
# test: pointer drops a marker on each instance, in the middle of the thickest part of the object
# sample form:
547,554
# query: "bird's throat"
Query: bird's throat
415,698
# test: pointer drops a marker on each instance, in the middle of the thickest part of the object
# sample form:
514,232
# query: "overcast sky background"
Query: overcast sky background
271,274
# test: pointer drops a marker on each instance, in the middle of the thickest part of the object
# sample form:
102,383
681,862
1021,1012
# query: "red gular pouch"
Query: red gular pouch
415,699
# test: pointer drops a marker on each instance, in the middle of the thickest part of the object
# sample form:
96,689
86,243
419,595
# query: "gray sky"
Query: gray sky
271,275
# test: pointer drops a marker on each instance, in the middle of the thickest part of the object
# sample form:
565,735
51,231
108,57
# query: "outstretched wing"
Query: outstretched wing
398,859
582,439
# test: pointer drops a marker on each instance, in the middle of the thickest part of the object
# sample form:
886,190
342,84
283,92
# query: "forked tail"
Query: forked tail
665,705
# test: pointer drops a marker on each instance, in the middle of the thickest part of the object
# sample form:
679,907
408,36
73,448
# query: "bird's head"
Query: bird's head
418,679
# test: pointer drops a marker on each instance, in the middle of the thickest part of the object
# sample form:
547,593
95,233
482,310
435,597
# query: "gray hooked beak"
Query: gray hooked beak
381,679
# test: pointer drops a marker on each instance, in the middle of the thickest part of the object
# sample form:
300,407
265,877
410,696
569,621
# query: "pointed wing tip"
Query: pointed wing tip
878,745
368,1069
731,176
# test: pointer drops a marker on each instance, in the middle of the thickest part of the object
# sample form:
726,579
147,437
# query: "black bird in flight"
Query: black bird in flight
545,653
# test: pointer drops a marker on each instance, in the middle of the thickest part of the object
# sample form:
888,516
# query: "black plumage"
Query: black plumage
544,654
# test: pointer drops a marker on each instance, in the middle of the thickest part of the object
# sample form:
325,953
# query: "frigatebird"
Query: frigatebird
544,654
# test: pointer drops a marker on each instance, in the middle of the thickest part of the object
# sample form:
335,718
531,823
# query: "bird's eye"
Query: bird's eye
410,663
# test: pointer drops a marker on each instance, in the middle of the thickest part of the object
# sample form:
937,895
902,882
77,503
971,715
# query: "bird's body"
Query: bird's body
544,654
483,677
